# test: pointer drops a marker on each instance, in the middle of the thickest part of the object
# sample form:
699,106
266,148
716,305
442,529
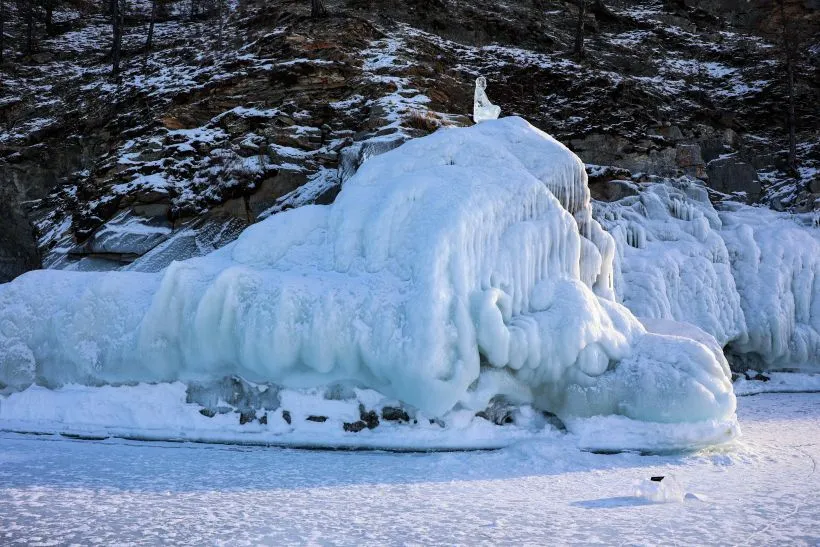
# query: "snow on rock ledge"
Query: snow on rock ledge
455,268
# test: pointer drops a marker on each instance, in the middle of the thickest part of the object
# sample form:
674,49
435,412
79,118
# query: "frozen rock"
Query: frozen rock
776,265
745,275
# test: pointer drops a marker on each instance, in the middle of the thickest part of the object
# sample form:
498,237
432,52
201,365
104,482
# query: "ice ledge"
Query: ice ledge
159,412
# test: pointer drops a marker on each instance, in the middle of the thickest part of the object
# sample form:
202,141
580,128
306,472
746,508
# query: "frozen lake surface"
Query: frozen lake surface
762,489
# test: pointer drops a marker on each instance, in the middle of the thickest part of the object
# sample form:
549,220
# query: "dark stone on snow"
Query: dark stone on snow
394,414
319,419
286,415
656,479
354,427
369,417
247,416
207,412
264,419
499,411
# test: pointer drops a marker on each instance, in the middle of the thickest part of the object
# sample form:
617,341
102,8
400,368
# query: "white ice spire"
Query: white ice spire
483,109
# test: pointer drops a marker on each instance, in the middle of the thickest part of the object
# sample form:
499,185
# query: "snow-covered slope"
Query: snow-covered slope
456,268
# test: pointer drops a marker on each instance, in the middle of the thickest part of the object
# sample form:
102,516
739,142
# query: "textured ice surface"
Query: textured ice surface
455,268
776,264
672,262
748,276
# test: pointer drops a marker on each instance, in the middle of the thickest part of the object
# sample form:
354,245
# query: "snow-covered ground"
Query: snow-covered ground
760,490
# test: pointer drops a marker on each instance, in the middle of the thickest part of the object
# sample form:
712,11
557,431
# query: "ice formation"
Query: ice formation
748,276
660,490
671,261
483,109
458,267
776,264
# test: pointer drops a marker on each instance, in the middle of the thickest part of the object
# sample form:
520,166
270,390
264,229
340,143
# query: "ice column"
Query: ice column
483,109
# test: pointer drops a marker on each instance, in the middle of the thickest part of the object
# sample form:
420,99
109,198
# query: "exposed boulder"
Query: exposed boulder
732,175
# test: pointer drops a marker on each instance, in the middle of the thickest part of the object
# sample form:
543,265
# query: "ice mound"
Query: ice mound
456,268
660,490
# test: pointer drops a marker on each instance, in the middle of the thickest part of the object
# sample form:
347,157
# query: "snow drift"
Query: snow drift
459,267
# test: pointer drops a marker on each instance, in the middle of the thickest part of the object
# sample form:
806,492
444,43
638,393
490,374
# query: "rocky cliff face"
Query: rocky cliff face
222,124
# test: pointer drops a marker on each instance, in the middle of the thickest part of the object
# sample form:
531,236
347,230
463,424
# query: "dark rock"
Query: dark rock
394,414
247,416
731,174
355,427
127,235
207,412
554,421
263,419
499,411
319,419
369,417
689,158
286,416
612,190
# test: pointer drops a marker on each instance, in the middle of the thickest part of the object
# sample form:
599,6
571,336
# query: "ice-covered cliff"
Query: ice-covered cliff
749,276
458,267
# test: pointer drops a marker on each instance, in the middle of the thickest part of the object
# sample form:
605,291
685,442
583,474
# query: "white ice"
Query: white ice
445,273
748,276
761,491
776,264
483,109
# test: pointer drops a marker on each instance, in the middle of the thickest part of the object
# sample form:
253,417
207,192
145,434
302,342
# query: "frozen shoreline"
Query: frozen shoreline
758,490
159,412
